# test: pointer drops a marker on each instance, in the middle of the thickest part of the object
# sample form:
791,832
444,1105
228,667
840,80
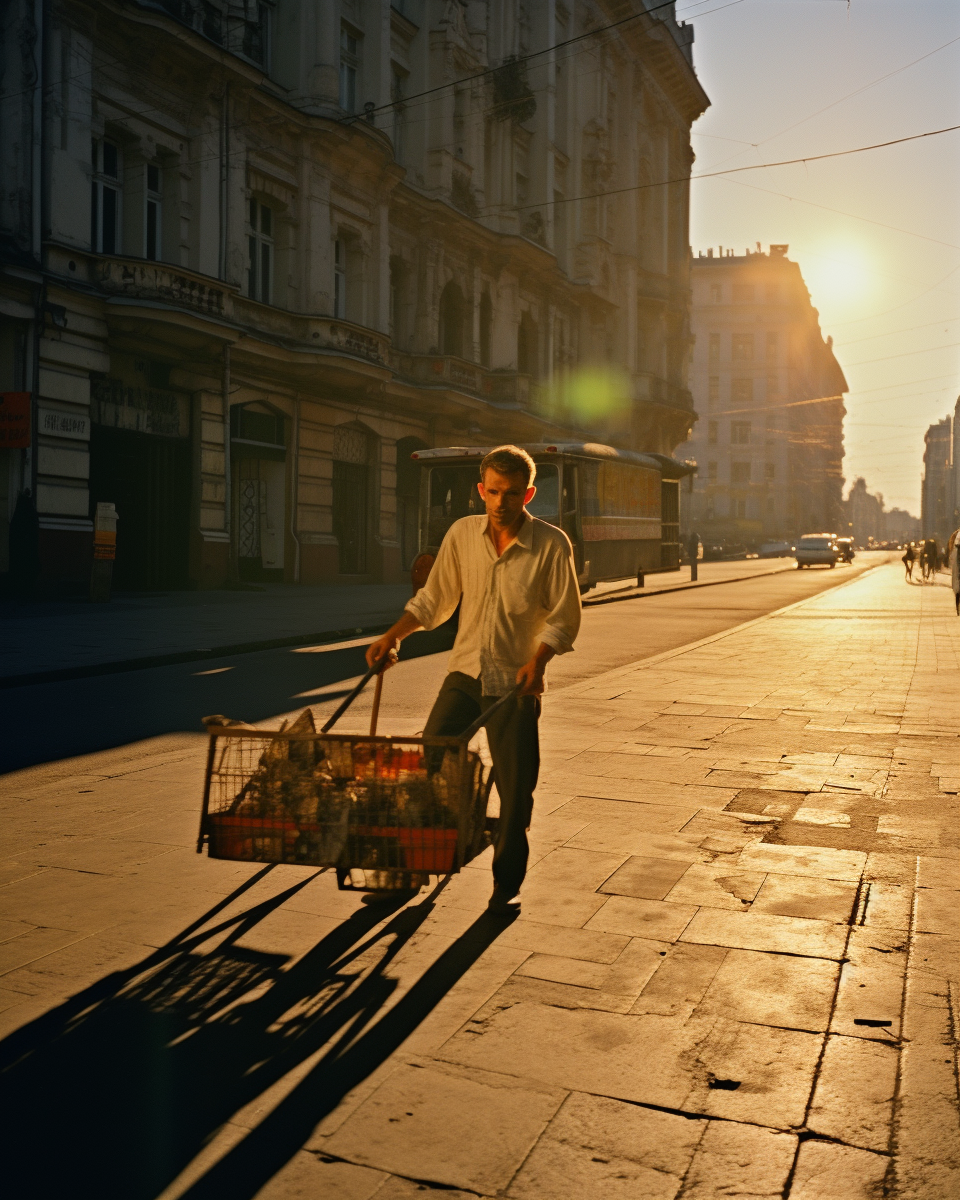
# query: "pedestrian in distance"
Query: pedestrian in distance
953,557
909,558
515,581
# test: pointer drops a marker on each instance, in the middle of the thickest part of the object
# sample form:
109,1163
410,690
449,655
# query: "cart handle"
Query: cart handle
377,666
485,716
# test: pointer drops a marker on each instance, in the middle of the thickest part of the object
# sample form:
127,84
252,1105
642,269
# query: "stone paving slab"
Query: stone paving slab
719,986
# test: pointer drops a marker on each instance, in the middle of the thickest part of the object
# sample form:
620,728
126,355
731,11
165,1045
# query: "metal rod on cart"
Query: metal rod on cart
353,695
375,713
485,716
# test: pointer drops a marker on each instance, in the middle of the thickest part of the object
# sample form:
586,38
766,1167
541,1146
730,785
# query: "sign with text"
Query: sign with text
14,420
55,423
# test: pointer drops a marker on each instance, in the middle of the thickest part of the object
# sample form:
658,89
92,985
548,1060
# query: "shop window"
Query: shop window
259,252
152,218
105,197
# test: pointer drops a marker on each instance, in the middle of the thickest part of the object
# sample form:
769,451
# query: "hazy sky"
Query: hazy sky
891,300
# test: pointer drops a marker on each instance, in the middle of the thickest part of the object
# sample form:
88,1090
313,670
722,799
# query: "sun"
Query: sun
838,275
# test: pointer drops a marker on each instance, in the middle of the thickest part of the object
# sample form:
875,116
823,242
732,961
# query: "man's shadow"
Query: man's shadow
114,1092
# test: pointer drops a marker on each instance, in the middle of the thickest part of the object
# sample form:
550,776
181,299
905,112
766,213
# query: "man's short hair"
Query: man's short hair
510,460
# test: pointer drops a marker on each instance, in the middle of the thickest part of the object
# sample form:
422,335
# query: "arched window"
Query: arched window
452,311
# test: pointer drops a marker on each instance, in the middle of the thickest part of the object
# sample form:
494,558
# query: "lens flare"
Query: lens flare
593,392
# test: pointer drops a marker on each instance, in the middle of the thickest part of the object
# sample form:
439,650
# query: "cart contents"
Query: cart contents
375,804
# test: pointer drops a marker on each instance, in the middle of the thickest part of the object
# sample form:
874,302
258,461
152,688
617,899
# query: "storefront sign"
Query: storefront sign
14,420
64,424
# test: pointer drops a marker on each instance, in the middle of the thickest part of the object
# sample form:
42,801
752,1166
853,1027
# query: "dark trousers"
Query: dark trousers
514,743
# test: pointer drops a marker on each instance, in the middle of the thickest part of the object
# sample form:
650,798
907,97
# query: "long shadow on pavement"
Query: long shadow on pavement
46,722
112,1094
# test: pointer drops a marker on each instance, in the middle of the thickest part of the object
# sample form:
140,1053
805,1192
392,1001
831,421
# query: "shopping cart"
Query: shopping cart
385,812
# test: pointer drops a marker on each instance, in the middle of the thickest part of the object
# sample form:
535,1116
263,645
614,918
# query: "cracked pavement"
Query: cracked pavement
735,973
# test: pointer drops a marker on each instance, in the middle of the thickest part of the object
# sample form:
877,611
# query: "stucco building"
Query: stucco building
769,395
248,267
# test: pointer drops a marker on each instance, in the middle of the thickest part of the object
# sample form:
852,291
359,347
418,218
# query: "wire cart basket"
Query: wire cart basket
385,812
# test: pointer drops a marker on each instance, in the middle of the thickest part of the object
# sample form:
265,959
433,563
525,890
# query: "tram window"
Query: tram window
453,494
546,503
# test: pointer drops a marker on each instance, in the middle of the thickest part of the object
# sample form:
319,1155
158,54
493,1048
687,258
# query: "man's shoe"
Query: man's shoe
502,904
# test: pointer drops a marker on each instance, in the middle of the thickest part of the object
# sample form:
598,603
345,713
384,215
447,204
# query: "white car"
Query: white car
817,548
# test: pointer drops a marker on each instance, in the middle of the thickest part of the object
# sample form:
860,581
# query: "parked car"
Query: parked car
845,546
817,548
776,549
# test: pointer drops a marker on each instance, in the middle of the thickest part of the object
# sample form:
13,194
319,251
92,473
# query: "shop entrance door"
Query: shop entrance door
260,512
350,484
148,478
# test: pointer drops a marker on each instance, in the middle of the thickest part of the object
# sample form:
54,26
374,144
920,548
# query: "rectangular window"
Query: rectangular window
105,198
152,222
716,293
773,385
259,252
339,278
743,293
396,95
740,509
741,391
713,391
740,433
772,347
740,472
714,347
349,66
711,433
769,470
742,347
711,470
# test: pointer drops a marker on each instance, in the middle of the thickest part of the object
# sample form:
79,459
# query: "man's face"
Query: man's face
504,497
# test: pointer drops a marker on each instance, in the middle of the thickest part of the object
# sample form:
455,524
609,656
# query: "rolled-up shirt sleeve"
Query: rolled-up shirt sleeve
438,598
561,597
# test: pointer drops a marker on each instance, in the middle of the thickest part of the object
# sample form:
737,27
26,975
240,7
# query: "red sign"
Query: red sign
14,420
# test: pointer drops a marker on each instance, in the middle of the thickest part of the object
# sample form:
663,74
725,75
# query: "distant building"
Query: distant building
901,526
864,514
769,395
938,495
866,520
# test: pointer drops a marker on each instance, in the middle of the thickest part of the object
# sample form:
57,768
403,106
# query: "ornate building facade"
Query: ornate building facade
769,393
255,254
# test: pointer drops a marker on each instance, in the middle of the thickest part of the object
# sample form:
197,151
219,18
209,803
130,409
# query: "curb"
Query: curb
174,658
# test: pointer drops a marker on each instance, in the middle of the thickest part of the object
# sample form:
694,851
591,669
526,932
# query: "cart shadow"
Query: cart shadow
116,1091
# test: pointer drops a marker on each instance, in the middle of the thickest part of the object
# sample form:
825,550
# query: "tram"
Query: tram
620,509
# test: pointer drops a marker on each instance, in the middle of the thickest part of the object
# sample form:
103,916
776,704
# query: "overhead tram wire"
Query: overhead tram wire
787,162
521,58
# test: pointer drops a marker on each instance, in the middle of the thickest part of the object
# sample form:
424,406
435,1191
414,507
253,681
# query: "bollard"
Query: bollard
104,552
693,570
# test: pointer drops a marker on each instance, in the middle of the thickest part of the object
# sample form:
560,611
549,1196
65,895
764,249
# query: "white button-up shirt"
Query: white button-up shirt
510,604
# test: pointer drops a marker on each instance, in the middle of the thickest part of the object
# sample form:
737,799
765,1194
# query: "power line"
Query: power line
893,332
522,58
906,354
787,162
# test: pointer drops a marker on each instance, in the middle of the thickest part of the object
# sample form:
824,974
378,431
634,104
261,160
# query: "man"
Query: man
514,578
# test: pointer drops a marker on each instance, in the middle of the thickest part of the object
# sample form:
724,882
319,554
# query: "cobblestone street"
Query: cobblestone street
735,973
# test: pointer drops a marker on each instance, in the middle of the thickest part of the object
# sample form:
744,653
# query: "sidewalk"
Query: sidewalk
735,974
73,637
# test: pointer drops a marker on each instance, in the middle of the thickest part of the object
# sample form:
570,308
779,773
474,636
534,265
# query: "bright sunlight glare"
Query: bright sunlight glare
839,276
